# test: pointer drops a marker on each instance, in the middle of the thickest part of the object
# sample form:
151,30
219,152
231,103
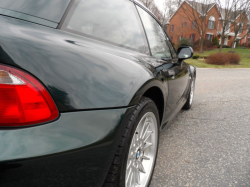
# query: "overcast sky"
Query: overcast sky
159,3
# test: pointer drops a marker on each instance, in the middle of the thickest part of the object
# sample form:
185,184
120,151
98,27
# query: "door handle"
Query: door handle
171,74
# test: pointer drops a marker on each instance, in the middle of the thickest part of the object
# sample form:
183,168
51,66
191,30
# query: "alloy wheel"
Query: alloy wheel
142,152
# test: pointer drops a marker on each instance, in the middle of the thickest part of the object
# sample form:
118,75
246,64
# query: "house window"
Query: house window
240,25
194,24
192,37
227,26
211,22
184,24
179,38
171,28
209,37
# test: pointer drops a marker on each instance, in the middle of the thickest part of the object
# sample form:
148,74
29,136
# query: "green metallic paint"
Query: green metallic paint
72,131
100,75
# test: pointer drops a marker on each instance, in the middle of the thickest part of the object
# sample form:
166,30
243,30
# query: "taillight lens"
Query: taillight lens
23,100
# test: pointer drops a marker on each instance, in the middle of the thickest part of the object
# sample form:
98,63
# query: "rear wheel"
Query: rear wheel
136,156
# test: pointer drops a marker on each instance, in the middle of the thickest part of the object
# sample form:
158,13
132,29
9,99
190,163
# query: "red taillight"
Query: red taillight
23,100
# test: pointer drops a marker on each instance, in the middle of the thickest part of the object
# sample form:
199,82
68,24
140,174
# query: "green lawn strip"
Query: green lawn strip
244,53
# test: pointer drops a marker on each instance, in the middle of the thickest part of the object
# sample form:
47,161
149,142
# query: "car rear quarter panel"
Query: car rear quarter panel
75,150
77,75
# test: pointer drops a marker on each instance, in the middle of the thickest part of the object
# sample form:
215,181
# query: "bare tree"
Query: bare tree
240,20
155,10
197,13
169,8
150,4
147,3
234,14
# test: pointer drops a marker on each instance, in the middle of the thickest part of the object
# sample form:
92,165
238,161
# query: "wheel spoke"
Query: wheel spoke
132,181
147,145
145,157
129,177
145,125
141,168
129,165
144,132
149,134
137,176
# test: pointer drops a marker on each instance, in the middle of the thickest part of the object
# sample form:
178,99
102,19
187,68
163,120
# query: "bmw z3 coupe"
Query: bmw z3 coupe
86,86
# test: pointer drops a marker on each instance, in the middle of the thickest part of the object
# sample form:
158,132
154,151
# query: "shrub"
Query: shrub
185,42
223,59
234,59
196,56
216,41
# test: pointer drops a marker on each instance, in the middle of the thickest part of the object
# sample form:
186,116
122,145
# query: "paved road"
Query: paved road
209,145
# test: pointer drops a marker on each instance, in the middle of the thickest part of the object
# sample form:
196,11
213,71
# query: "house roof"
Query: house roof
201,7
198,6
233,15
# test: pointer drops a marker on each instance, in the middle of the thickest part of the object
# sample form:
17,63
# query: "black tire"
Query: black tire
188,105
116,174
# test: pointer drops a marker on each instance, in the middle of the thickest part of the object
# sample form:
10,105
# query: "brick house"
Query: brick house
180,27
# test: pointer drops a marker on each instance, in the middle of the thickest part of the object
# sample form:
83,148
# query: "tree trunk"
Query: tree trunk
221,43
201,44
232,48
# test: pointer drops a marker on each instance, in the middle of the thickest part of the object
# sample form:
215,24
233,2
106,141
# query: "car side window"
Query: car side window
156,36
110,21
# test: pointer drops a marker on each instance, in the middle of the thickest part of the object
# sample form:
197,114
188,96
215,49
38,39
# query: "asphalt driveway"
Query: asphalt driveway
209,145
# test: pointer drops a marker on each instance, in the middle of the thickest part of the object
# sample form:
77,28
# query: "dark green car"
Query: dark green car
85,89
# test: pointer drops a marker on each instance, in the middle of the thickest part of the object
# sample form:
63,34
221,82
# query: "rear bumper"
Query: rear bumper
75,150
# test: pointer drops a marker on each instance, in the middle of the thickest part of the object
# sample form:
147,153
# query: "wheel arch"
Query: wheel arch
156,91
192,70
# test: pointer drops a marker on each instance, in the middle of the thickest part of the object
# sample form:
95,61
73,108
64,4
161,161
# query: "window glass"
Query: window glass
172,28
227,26
211,24
192,37
194,24
108,20
209,37
240,25
156,36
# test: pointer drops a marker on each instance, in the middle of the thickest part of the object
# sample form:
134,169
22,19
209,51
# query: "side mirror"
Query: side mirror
185,52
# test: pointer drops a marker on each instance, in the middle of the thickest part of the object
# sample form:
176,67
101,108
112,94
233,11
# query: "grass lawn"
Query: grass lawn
244,53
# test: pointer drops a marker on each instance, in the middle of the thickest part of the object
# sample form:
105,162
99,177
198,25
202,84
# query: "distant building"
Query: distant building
180,27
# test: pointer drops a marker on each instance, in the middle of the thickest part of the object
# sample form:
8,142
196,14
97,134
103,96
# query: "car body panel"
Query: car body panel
95,86
47,54
83,142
